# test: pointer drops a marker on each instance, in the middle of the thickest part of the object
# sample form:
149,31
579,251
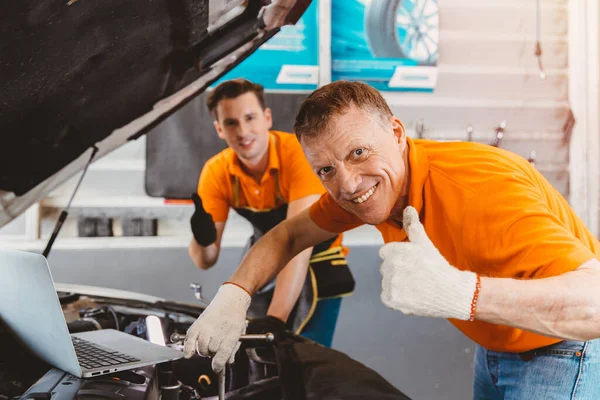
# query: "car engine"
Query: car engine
283,367
24,375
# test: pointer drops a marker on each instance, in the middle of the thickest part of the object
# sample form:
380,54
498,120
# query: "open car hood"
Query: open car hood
82,74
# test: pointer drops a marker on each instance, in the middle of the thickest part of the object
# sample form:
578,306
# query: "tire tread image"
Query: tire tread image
380,29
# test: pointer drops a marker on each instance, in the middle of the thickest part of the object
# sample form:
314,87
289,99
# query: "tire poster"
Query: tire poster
390,44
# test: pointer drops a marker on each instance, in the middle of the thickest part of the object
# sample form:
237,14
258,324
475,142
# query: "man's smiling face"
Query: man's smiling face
244,125
360,159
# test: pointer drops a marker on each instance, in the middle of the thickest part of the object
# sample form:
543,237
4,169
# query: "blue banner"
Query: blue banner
390,44
287,61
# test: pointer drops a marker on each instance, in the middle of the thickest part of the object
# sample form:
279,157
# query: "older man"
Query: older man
474,234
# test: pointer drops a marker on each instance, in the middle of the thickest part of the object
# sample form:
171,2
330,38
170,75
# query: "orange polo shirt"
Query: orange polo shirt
488,211
288,173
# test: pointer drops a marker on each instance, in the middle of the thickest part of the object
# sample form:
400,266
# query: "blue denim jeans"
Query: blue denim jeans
566,370
321,327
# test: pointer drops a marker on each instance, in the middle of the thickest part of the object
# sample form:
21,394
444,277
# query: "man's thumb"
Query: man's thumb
197,201
413,227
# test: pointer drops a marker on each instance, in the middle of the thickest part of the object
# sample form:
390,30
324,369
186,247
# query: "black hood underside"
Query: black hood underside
71,72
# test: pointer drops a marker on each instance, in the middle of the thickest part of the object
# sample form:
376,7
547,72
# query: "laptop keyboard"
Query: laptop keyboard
91,355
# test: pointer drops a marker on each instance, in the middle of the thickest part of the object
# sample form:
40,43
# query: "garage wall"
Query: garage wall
488,73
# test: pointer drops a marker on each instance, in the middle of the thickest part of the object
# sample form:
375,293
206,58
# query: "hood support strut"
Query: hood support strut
64,213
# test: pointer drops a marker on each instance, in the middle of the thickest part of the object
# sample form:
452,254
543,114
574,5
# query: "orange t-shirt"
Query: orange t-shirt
288,174
488,211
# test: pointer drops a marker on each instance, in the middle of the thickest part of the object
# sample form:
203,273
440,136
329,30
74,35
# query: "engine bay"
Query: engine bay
182,379
284,367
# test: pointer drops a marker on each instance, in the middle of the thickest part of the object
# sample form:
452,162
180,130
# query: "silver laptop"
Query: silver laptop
29,305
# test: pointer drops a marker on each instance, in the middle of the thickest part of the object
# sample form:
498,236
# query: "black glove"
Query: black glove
203,227
266,324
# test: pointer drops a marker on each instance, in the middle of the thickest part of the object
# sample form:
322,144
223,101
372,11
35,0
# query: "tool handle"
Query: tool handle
267,337
222,385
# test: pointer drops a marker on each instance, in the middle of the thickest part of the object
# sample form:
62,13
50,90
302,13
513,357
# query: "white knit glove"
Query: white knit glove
417,280
217,330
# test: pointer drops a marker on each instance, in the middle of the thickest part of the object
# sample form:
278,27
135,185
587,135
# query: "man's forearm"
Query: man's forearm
265,259
565,306
289,286
203,257
276,248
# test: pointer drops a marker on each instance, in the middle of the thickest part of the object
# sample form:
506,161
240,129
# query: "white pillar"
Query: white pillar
324,26
584,96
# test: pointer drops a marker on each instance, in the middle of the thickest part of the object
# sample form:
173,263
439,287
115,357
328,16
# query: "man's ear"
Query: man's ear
399,130
269,117
219,130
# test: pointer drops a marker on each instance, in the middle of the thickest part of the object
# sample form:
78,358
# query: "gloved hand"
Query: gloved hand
417,280
218,329
267,324
203,227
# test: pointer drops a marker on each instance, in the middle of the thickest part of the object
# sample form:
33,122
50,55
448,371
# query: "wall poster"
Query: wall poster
287,61
390,44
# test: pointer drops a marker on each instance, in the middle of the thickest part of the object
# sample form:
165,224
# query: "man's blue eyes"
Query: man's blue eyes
357,153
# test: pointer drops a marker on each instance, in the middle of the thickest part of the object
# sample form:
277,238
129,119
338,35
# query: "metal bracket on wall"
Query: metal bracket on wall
499,134
469,133
538,34
420,128
568,127
532,157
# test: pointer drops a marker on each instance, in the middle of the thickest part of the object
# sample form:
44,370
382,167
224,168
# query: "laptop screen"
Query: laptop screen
30,307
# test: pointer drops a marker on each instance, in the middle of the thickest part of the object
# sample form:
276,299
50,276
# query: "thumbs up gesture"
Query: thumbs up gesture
203,227
417,280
